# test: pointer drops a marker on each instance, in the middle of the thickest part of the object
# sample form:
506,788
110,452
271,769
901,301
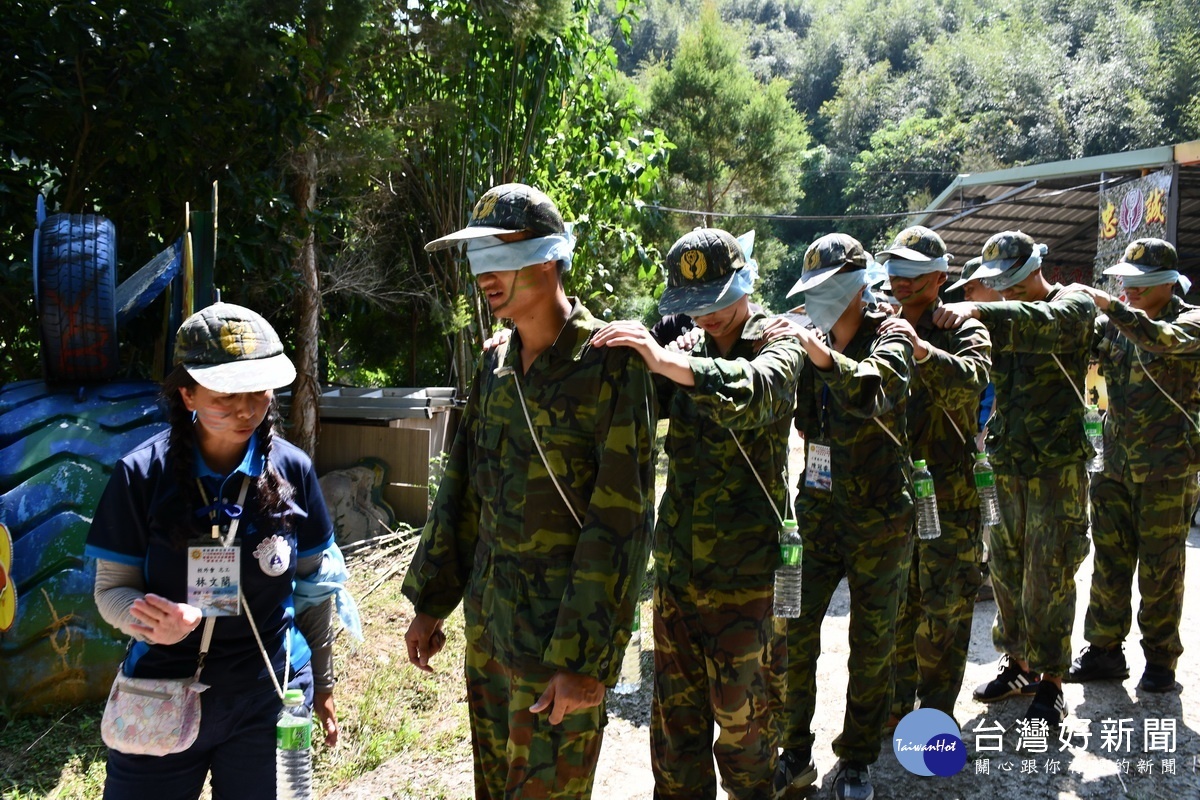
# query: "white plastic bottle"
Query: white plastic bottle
928,524
630,679
1093,425
293,749
787,576
985,484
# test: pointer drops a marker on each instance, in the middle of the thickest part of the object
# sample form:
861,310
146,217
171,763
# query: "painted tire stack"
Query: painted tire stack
57,448
76,288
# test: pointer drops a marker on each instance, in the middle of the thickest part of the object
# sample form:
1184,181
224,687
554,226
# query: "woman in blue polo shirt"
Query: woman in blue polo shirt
177,494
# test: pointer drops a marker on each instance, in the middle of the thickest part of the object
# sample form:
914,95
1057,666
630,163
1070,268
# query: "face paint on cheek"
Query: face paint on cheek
215,420
525,280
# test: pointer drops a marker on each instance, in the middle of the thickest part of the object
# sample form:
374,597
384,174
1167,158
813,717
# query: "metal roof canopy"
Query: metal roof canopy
1058,203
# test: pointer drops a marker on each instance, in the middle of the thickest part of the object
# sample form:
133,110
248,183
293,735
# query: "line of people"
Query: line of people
544,521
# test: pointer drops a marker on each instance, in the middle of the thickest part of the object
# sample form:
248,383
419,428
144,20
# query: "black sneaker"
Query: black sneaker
1157,679
1098,664
1048,704
853,782
1011,682
795,770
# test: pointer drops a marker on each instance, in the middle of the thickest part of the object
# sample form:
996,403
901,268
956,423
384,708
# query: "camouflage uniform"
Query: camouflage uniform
934,625
539,594
860,529
1142,503
716,550
1039,452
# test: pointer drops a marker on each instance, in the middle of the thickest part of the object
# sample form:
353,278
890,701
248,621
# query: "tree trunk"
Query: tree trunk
307,389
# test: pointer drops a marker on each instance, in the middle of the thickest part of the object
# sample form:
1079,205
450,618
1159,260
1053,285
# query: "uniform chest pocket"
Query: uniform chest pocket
1109,351
572,456
489,451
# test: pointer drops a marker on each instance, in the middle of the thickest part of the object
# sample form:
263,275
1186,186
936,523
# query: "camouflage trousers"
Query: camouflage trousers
1034,554
712,665
1142,525
933,628
520,755
871,548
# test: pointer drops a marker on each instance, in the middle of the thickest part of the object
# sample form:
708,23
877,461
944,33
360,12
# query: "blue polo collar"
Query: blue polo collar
253,462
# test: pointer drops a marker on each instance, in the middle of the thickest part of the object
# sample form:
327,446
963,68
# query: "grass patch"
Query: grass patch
386,707
57,756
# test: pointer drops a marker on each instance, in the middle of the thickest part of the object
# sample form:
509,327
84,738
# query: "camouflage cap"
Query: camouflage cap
507,208
826,256
701,266
917,243
231,349
1143,256
968,274
1003,251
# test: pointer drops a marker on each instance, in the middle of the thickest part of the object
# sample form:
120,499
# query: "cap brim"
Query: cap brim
907,253
8,595
813,279
961,282
1124,268
464,235
990,269
693,296
250,375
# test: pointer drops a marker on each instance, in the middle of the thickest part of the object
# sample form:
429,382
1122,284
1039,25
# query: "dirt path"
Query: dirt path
1094,772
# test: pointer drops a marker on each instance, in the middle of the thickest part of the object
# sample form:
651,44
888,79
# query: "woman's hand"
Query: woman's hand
326,713
163,621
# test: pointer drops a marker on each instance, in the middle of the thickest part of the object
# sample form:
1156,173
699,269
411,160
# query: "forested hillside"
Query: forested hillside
899,96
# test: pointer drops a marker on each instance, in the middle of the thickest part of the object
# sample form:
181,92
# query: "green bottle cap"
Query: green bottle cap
919,464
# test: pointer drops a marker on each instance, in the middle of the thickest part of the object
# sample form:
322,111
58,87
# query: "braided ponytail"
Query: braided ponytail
274,492
181,457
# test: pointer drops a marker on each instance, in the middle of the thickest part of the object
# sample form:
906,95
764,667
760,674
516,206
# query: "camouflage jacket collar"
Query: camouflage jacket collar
752,330
925,325
573,340
1174,307
868,330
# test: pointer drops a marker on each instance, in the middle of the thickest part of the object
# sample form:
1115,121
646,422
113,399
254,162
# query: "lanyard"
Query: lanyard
214,513
227,541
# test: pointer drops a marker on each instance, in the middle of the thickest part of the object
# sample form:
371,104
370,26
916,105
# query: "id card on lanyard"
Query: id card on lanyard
214,565
818,472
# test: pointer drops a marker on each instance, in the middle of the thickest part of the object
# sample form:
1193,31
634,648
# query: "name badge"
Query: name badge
817,474
212,579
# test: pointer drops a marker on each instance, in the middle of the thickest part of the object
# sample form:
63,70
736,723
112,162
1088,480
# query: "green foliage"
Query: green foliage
737,140
905,165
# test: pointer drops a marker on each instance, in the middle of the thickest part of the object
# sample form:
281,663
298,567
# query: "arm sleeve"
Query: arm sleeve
437,575
594,620
739,394
316,623
955,379
876,384
1060,325
117,586
1180,337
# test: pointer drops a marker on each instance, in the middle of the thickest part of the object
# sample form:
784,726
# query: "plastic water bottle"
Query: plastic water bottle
293,749
928,524
985,484
787,576
1093,425
630,679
